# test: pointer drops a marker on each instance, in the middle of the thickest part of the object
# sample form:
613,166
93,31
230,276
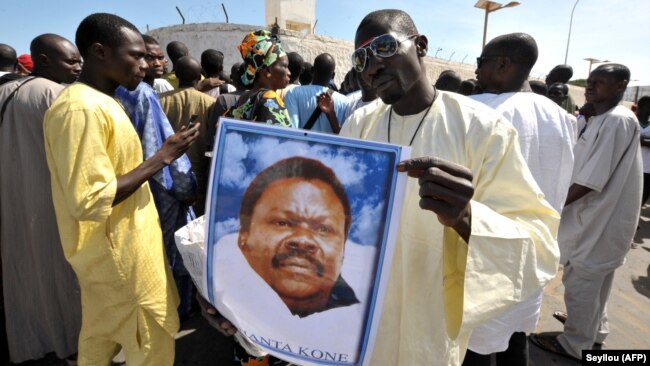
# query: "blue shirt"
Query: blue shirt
301,102
173,184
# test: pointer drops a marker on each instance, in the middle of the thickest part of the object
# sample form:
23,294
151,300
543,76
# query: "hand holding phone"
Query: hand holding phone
191,122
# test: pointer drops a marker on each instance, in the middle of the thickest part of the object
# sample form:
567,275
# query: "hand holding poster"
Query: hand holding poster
299,239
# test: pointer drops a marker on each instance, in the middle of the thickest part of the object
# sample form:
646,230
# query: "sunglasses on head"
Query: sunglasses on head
382,46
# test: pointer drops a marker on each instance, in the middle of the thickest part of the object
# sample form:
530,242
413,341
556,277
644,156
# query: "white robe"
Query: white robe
440,287
546,135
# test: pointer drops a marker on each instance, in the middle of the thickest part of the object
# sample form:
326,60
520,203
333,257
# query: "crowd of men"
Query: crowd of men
102,162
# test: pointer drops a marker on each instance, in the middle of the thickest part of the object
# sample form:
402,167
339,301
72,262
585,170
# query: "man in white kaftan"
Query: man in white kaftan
601,212
546,137
440,286
41,295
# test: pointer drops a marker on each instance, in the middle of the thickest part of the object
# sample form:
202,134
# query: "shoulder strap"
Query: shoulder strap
316,113
10,97
312,119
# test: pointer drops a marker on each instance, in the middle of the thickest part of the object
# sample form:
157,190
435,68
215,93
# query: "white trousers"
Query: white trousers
586,302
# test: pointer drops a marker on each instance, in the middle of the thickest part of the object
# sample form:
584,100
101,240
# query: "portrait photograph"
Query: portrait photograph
300,230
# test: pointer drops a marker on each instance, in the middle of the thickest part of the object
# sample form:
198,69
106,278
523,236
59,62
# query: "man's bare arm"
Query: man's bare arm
173,148
576,192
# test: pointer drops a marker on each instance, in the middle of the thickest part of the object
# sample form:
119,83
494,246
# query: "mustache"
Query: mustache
280,259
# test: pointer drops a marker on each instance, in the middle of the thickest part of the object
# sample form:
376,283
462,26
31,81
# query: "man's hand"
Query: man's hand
208,84
325,103
178,143
445,189
172,149
223,325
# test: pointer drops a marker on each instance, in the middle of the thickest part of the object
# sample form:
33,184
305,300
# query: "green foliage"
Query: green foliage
579,82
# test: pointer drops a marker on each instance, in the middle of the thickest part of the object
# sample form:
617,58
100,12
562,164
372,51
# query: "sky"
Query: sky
602,29
365,174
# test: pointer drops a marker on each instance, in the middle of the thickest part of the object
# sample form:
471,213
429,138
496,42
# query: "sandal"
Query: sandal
550,343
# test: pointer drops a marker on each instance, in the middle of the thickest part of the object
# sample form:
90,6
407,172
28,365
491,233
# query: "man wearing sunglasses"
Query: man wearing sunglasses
475,237
546,136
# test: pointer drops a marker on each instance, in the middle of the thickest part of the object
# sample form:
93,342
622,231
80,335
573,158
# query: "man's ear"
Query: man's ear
242,239
621,86
98,50
44,60
422,45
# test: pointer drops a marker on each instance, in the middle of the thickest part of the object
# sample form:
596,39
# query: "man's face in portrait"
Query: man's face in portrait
296,238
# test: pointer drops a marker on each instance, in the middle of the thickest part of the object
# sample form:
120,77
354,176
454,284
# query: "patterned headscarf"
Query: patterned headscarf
259,49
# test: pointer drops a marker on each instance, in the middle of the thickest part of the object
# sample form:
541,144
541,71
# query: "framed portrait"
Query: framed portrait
300,230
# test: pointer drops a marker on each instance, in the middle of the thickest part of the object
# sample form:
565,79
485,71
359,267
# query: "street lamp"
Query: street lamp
594,61
489,7
566,55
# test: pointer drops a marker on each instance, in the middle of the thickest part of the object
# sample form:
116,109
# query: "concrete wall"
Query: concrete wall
225,37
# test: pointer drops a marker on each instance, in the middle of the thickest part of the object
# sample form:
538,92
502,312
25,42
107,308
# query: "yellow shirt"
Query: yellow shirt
171,78
440,287
117,252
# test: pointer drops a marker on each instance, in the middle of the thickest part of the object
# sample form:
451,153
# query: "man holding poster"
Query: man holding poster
475,235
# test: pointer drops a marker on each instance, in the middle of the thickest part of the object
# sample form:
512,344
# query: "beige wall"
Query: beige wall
224,37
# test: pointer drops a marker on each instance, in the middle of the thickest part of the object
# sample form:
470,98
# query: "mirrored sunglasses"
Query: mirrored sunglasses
382,46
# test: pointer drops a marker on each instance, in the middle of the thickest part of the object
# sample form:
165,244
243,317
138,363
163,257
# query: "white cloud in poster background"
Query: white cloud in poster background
227,226
264,151
268,150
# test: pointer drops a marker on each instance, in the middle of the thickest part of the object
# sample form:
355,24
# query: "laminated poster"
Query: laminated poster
300,230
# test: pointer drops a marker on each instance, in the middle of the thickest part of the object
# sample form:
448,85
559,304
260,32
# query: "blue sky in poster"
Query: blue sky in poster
364,173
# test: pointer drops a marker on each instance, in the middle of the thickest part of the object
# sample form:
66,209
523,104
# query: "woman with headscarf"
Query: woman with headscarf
267,69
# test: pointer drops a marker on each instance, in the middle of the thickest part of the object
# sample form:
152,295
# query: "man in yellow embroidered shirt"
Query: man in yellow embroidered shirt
475,235
107,219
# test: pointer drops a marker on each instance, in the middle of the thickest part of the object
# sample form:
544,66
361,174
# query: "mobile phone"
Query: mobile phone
193,118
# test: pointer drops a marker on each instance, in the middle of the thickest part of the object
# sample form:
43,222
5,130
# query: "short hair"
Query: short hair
295,65
149,40
44,43
448,80
643,102
618,71
102,28
8,57
538,87
307,73
176,50
397,20
324,66
294,167
467,87
212,61
560,73
188,70
562,86
521,48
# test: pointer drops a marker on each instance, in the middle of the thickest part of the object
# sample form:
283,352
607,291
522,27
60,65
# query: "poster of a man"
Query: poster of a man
299,229
295,218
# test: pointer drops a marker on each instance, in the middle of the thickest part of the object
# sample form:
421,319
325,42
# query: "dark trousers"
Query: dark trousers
515,355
